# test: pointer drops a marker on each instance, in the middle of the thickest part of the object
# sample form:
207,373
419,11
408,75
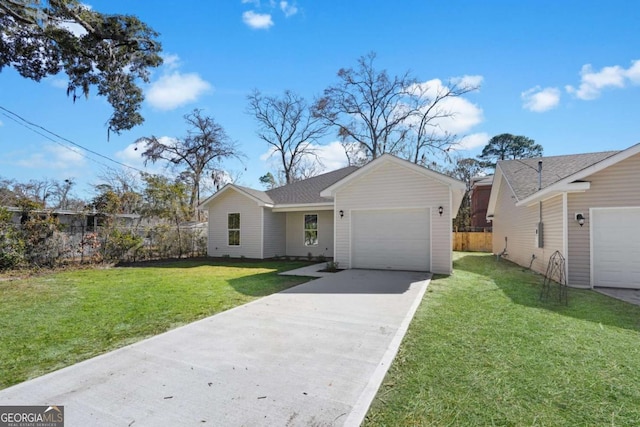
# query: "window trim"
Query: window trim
234,229
305,229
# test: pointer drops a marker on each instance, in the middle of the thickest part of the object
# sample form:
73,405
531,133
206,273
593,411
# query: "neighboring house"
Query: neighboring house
76,220
479,198
388,214
587,206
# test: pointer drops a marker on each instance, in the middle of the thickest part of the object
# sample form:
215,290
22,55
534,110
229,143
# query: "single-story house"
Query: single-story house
388,214
587,206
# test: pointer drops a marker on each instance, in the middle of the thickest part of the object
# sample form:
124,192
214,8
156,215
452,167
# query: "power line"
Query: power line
30,125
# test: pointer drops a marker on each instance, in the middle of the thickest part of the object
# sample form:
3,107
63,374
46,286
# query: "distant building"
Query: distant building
75,220
479,196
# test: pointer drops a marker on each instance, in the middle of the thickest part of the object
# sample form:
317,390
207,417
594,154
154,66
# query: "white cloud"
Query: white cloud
463,113
468,81
176,89
331,155
73,27
288,9
257,21
592,83
633,72
170,61
55,157
539,100
131,155
472,141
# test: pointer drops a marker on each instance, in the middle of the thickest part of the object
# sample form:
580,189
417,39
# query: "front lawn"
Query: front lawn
55,320
482,350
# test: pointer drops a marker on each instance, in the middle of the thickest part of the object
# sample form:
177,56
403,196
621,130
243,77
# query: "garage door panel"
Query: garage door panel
391,239
616,247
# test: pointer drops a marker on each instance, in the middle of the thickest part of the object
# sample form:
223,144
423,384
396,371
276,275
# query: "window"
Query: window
311,230
233,226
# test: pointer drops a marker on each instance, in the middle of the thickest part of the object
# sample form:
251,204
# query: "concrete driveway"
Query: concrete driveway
313,355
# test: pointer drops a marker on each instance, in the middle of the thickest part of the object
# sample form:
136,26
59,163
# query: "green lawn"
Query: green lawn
483,351
55,320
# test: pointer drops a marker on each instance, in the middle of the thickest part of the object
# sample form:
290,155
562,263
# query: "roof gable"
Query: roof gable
446,180
522,174
559,173
260,197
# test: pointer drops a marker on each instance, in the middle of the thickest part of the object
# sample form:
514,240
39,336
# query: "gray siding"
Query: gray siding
274,233
393,186
616,186
250,226
518,225
295,234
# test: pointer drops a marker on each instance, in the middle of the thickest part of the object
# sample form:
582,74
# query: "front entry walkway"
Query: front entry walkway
314,355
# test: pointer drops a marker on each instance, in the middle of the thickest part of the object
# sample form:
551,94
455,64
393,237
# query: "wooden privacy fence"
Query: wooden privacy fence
473,241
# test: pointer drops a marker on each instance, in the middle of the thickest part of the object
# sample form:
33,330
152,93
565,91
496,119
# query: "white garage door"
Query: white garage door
395,239
616,247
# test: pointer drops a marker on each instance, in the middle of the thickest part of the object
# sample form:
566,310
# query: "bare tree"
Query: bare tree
37,191
201,151
428,111
125,184
60,192
465,169
368,107
287,125
8,197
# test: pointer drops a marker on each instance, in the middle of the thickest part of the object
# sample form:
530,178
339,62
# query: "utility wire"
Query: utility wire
30,125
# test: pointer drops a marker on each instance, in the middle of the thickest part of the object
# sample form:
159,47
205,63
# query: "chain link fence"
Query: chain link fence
51,244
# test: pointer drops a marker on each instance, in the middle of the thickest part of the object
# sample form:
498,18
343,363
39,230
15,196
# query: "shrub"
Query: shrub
332,266
118,243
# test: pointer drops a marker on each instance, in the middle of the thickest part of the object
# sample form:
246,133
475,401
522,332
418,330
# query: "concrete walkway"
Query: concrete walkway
313,355
308,271
629,295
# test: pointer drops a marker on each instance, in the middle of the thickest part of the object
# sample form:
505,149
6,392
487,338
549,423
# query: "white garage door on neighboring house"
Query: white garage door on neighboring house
393,239
616,247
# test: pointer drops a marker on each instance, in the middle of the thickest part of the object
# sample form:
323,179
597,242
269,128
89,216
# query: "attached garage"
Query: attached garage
392,214
615,247
391,239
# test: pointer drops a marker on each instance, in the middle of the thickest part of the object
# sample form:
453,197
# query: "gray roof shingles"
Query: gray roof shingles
522,174
260,195
308,190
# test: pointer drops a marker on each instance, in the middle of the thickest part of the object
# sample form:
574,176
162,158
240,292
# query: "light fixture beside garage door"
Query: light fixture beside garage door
440,210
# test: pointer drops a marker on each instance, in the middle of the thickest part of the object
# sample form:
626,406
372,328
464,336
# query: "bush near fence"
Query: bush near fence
60,244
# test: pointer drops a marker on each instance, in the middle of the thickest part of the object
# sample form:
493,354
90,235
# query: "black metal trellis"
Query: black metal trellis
555,275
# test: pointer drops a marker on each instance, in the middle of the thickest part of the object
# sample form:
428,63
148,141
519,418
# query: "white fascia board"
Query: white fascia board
303,207
493,196
203,205
554,190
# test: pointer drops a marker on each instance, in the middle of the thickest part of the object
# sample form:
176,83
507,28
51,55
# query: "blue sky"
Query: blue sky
565,73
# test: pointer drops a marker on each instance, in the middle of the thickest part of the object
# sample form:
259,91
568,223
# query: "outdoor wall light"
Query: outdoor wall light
580,219
341,213
440,210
